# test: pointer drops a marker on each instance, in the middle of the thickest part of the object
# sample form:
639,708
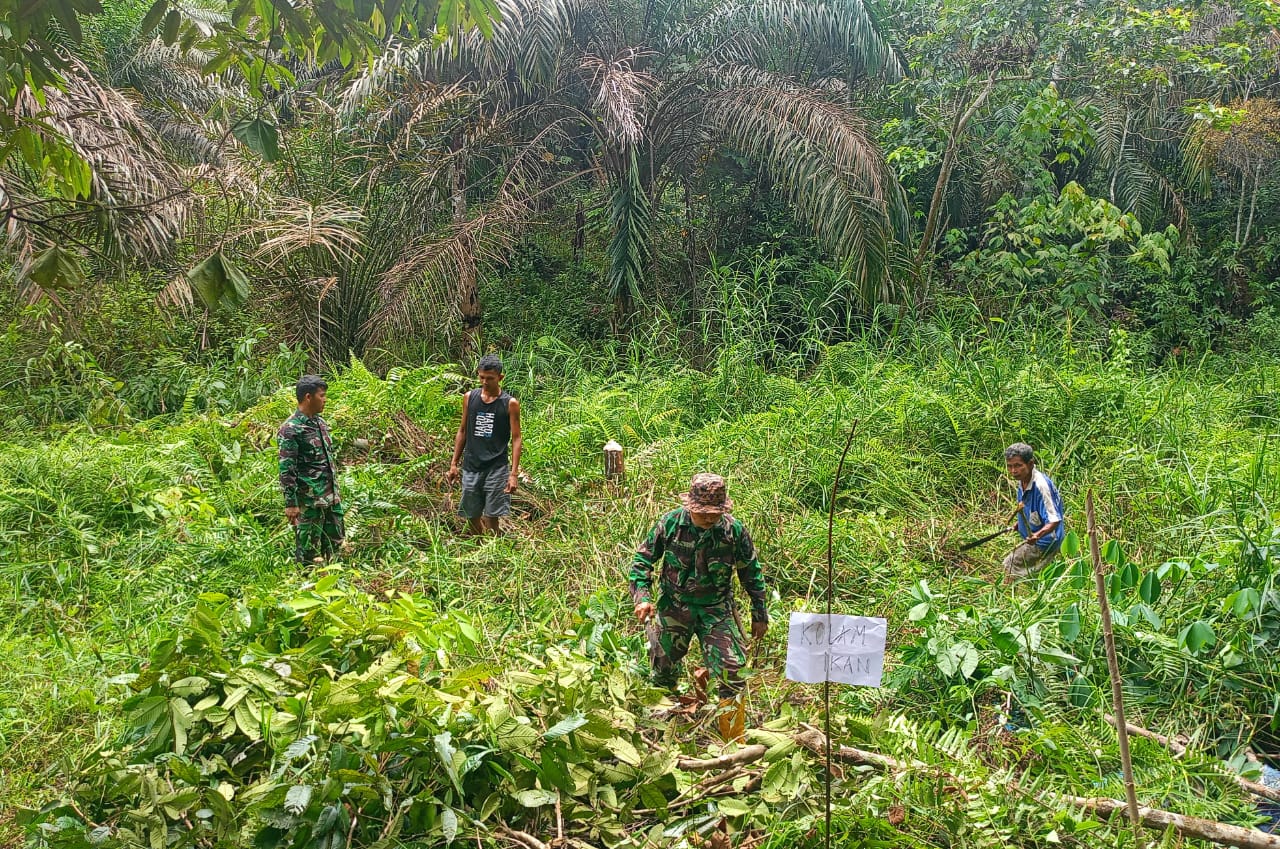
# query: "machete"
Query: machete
988,538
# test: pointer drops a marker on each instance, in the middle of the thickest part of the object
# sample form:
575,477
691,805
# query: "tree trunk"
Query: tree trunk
944,172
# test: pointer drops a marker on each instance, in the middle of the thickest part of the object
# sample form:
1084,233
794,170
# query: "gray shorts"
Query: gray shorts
1027,558
485,493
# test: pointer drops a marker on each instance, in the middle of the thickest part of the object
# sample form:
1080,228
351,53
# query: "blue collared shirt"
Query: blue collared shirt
1041,504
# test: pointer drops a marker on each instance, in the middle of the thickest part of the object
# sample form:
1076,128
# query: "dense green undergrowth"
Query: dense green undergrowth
175,680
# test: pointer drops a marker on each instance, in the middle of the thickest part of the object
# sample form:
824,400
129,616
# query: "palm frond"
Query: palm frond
629,222
621,92
826,160
138,204
794,36
296,225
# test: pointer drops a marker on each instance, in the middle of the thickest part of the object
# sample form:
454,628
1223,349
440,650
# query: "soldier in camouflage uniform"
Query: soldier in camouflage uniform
311,499
696,549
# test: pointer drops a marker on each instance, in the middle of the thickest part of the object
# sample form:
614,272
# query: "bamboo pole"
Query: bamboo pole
1113,666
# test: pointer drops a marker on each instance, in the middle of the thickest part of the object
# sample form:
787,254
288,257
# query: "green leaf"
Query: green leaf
1197,636
535,798
1057,656
449,824
1128,576
1245,601
918,612
297,799
152,18
219,282
1071,544
1113,553
570,723
1149,589
731,807
1144,612
446,751
259,135
169,30
624,751
56,268
1069,624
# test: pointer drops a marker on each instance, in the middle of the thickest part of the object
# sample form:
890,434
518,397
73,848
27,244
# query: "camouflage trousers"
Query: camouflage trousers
318,533
717,629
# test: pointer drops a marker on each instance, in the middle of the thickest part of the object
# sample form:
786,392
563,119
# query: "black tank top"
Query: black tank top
488,432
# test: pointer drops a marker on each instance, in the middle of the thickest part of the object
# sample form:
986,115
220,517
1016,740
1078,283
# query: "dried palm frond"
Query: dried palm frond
295,225
425,290
621,92
137,202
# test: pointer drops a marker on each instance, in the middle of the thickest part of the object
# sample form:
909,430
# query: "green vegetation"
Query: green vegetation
719,233
426,684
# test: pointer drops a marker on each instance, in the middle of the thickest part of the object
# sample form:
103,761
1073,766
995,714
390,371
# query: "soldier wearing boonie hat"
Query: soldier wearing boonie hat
696,549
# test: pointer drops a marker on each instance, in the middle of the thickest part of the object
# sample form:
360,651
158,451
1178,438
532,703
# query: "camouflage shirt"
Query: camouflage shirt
698,565
306,462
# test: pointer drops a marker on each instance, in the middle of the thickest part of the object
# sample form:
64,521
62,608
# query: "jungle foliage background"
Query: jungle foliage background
718,232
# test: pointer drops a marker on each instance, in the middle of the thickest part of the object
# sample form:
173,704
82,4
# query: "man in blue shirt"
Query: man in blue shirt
1040,516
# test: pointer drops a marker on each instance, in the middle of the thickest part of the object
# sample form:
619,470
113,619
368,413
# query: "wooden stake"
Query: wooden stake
1113,666
614,465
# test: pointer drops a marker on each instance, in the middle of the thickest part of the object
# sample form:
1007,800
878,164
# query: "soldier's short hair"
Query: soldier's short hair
1022,451
309,384
490,362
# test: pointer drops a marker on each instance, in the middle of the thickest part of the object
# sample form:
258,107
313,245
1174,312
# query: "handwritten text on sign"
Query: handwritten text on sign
848,649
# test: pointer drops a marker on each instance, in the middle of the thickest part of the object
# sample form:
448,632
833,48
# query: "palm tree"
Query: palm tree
628,100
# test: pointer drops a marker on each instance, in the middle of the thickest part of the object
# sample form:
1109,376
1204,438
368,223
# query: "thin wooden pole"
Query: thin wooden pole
826,681
1113,666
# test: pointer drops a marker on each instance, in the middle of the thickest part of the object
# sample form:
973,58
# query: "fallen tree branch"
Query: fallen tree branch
1174,746
745,755
1221,833
523,838
1179,749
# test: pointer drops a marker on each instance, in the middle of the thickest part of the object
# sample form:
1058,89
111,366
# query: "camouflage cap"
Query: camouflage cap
707,494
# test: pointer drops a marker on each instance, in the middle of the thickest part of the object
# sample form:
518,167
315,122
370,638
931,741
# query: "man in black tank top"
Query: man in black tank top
490,423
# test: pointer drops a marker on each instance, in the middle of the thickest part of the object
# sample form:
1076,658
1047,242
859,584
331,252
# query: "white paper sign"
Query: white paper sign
848,649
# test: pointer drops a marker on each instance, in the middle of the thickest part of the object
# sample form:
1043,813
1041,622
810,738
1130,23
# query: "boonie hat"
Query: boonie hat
707,494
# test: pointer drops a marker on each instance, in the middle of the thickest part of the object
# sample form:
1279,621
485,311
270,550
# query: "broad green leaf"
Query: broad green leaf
449,824
1142,611
918,612
1008,641
535,798
297,799
732,807
624,751
1197,636
1069,624
1149,588
152,19
1057,656
446,751
1113,553
259,135
56,268
219,282
1071,544
519,737
1244,601
169,29
1128,575
570,723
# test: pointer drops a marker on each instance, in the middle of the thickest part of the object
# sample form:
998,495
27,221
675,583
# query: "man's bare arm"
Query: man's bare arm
459,442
